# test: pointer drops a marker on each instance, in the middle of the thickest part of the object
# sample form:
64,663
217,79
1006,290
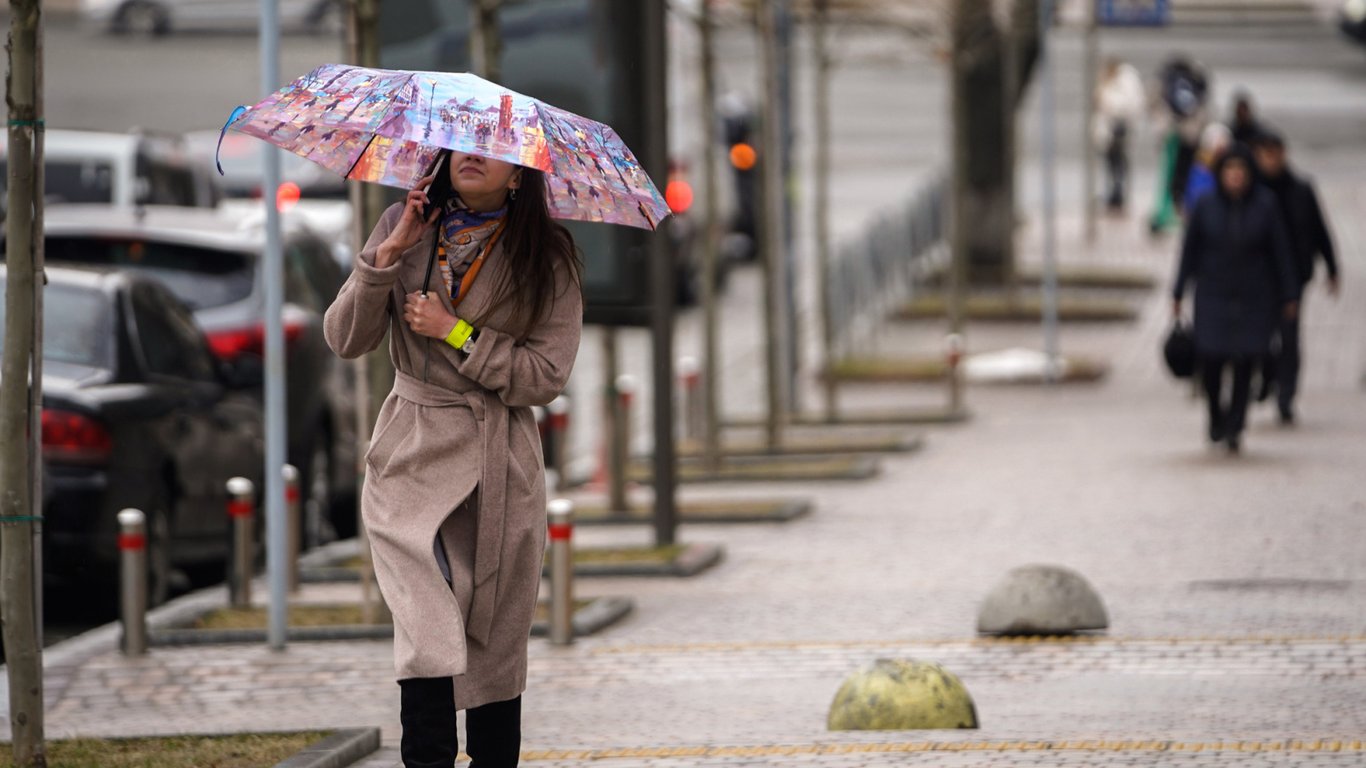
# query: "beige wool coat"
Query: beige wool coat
451,425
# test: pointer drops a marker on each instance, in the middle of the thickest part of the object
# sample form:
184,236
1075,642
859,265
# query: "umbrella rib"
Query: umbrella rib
365,149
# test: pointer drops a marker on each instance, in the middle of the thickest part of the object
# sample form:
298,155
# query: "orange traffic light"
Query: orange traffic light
743,156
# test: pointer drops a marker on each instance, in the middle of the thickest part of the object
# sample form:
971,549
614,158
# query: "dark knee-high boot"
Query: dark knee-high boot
427,711
493,734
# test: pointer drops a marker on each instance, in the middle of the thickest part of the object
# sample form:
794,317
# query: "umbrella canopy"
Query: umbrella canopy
389,126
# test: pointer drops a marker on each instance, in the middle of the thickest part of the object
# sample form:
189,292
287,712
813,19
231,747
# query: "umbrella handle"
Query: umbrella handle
431,263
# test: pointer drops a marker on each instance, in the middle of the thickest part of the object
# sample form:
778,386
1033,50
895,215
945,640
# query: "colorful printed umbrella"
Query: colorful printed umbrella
388,126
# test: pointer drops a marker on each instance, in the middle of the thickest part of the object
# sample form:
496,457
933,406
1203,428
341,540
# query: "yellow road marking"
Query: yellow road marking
1318,745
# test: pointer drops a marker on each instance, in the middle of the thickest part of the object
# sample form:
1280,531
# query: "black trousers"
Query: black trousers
1117,164
1226,420
427,712
1284,366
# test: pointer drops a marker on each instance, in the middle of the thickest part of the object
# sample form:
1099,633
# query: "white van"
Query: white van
122,169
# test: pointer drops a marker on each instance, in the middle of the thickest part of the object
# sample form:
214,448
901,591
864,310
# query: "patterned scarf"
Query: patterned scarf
461,227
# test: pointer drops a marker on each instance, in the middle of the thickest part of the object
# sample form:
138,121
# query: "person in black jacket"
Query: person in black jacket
1236,252
1309,240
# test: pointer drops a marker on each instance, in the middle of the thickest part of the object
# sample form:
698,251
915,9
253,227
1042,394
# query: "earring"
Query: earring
512,194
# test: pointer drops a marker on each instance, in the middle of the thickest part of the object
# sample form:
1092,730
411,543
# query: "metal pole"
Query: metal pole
711,224
241,512
771,233
660,249
133,581
792,354
35,403
1048,156
561,516
822,203
1090,54
953,354
960,152
292,527
625,389
273,280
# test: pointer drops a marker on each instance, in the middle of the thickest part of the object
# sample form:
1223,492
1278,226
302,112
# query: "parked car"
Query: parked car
307,191
136,413
122,169
210,260
159,17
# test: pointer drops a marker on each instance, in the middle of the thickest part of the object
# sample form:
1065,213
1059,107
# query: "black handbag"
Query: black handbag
1179,350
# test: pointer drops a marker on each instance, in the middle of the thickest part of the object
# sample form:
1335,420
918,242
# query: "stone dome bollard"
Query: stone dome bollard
1041,600
901,695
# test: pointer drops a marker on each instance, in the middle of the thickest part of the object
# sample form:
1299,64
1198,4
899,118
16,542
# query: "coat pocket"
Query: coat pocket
389,433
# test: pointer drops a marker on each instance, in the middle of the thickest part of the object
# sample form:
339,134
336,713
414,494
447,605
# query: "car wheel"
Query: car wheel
141,17
159,571
319,494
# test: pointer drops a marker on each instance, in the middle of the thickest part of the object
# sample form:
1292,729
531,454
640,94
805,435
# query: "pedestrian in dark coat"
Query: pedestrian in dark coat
1310,240
1236,252
454,496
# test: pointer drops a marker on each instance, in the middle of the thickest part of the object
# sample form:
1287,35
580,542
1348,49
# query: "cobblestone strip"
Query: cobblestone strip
1264,657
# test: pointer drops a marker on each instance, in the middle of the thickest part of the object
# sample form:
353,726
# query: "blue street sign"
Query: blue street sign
1133,13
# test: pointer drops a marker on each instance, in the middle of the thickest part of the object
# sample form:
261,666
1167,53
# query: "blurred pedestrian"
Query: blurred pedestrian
1120,100
454,495
1184,90
1243,123
1214,142
1310,240
1236,252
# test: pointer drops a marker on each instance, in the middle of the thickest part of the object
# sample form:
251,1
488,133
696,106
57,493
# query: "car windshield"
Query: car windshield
76,325
73,181
200,277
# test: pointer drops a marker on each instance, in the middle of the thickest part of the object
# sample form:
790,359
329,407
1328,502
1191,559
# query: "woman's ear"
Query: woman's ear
516,180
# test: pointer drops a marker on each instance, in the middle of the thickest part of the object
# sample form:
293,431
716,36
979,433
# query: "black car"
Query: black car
211,261
136,413
1352,19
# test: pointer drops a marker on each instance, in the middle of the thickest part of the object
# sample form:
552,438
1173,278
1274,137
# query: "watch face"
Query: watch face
468,346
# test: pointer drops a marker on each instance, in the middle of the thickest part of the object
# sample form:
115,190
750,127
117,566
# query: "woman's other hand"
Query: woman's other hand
426,316
410,227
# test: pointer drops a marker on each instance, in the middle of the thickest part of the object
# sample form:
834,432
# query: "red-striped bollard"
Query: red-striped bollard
561,515
294,526
241,511
133,580
690,397
557,438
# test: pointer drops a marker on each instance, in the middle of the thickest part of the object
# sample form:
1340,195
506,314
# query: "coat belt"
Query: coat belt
492,418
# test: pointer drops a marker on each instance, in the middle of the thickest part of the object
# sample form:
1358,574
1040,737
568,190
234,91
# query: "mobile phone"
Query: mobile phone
440,188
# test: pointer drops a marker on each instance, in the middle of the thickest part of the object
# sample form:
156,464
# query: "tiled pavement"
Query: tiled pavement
1235,587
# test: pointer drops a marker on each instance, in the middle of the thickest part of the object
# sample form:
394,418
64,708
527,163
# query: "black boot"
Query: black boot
493,734
427,712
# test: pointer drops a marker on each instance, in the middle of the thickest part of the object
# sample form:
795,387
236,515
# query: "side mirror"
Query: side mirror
245,372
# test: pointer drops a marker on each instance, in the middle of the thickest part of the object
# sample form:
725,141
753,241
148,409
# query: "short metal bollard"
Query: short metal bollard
620,443
953,357
294,526
561,514
557,438
690,397
241,510
133,581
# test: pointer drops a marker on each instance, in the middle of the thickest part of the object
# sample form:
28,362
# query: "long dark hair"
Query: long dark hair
534,244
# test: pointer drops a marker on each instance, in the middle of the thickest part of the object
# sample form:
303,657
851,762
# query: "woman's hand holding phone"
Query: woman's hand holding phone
414,222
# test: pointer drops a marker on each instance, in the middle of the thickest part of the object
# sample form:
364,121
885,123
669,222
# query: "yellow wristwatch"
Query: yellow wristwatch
462,336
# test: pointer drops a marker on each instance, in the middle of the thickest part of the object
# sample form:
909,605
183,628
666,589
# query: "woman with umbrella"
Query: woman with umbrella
454,498
1236,252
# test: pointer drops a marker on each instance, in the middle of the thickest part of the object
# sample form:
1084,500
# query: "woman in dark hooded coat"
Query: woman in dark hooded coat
1237,253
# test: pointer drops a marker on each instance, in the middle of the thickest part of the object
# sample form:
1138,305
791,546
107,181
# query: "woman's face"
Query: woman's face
483,183
1235,177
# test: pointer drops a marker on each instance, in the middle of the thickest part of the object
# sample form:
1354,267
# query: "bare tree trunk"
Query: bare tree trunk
374,371
819,33
771,228
711,220
991,71
17,603
486,40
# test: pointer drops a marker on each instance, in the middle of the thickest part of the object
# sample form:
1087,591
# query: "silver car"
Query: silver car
159,17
